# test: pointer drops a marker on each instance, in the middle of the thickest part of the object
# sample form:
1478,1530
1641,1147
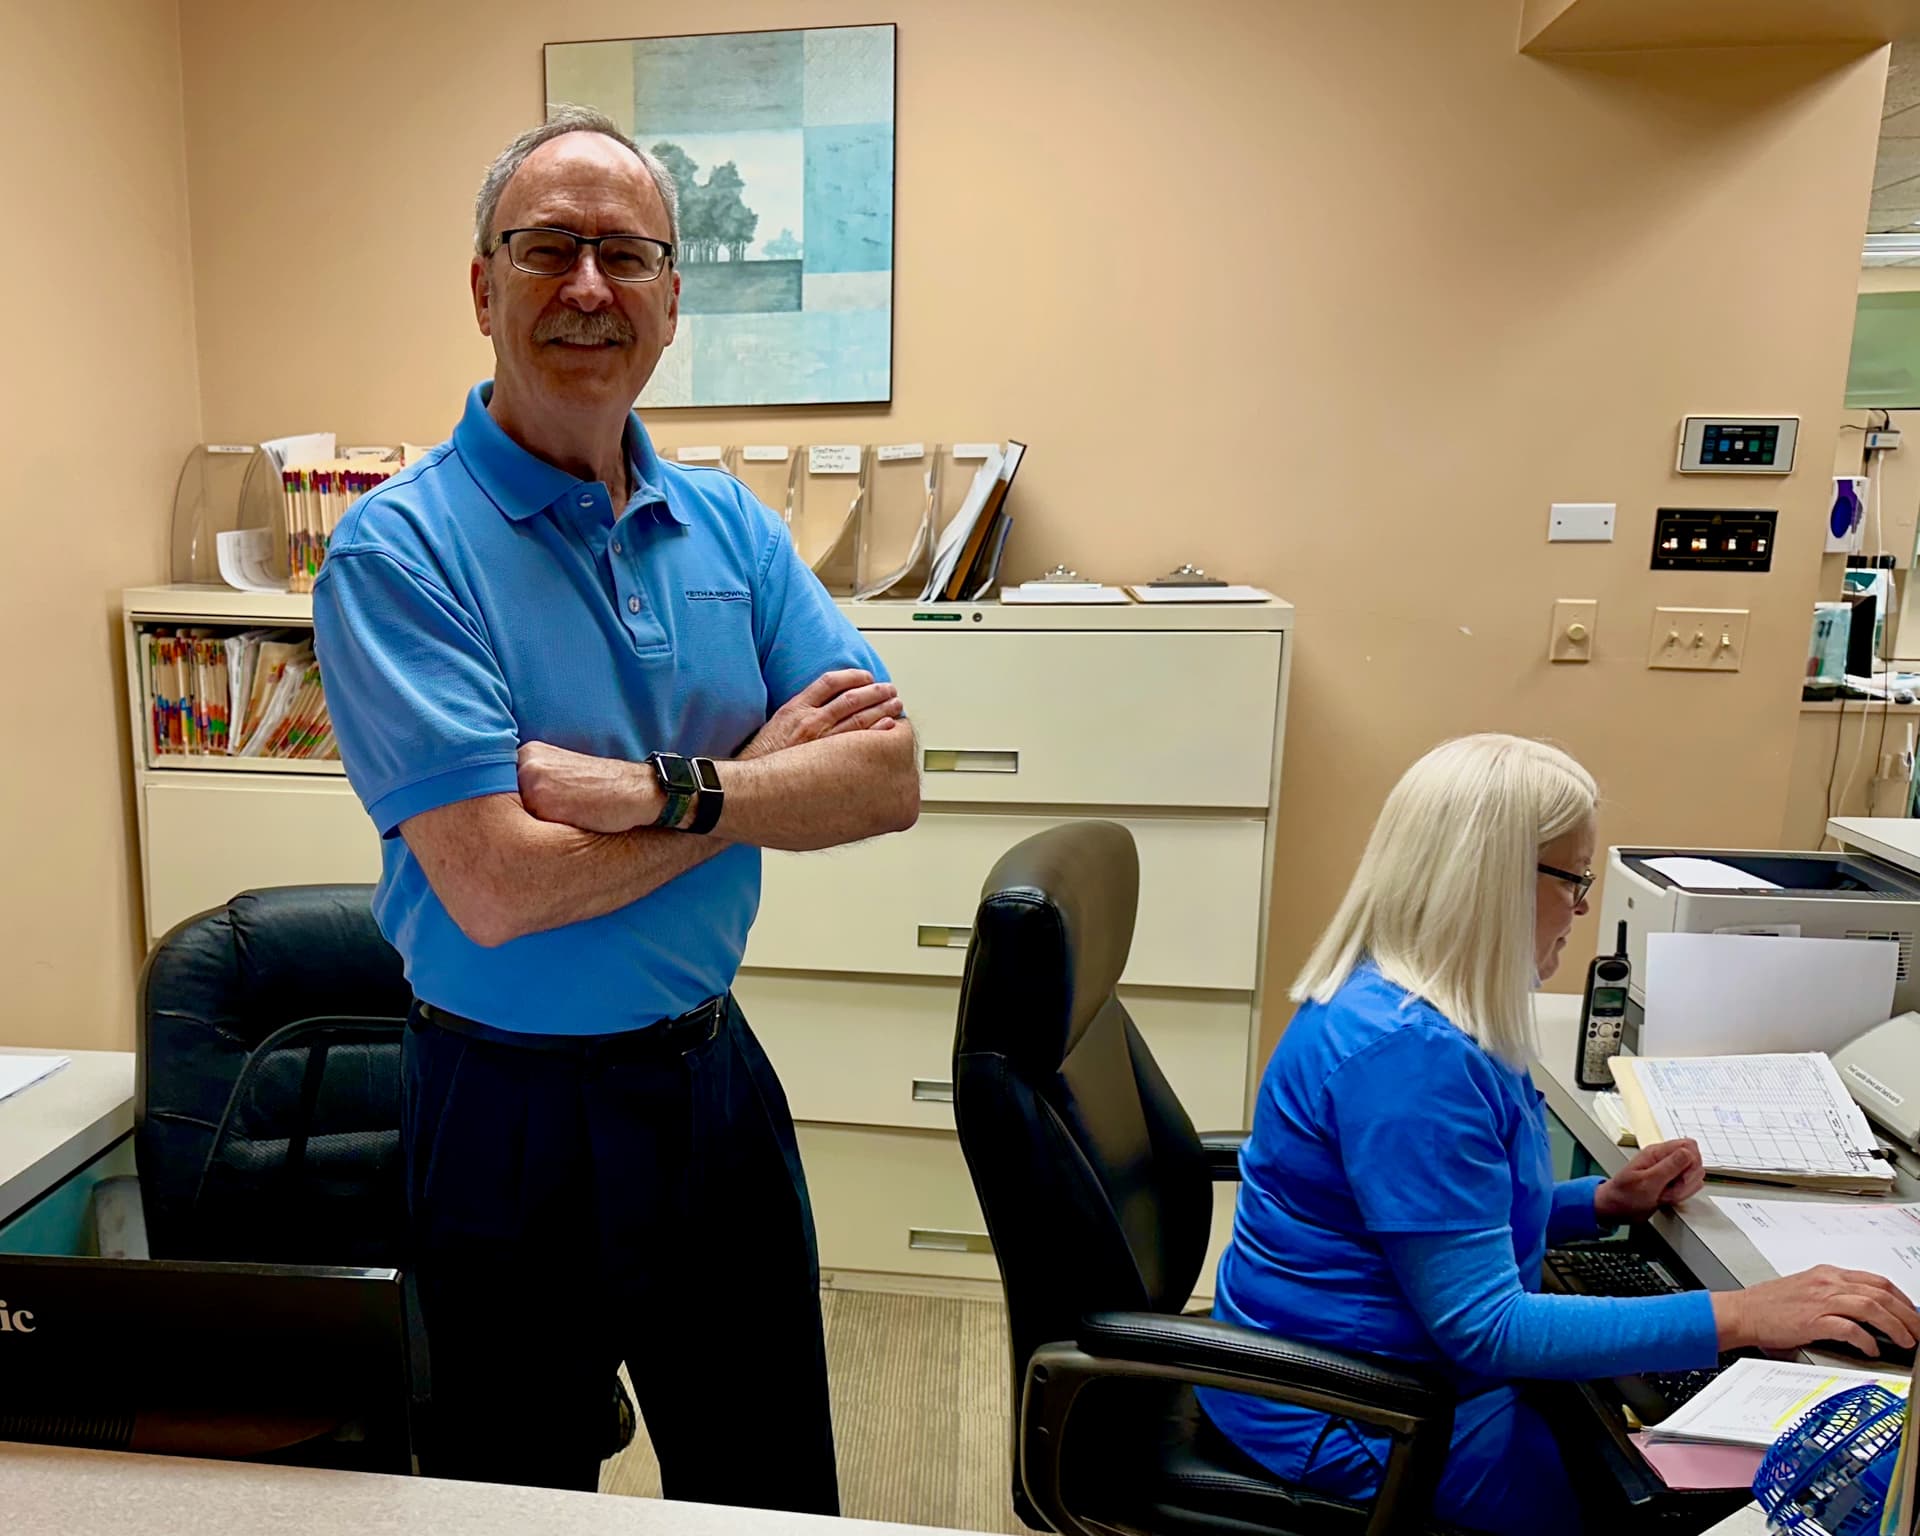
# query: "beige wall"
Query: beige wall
1889,279
98,407
1332,298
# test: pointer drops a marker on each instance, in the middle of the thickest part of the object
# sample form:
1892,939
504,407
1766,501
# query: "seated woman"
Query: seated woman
1397,1193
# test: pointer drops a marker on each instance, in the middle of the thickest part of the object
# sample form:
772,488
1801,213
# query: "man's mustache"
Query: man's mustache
596,329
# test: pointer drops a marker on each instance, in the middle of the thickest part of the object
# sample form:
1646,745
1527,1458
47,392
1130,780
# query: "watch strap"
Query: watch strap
710,798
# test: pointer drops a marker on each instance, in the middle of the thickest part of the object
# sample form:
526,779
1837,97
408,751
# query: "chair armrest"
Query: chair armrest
1223,1154
1415,1409
1366,1388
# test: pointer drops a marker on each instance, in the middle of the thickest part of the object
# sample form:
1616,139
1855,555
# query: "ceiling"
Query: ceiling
1896,172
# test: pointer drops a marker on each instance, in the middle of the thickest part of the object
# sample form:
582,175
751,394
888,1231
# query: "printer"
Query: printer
1803,895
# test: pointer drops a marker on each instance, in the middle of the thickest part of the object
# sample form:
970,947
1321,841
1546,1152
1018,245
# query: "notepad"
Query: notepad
21,1072
1785,1119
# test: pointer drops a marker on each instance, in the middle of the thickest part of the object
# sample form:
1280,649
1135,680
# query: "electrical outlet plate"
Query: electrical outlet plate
1574,622
1580,522
1698,639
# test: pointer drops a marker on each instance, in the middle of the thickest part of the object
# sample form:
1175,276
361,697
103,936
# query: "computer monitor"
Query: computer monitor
302,1367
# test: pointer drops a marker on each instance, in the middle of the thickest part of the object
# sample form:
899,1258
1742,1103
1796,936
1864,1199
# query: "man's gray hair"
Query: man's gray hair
565,120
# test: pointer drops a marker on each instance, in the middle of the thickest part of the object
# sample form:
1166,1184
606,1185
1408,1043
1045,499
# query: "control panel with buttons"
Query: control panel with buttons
1713,539
1737,445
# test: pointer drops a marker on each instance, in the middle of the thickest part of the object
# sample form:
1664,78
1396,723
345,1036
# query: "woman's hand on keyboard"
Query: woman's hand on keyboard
1816,1304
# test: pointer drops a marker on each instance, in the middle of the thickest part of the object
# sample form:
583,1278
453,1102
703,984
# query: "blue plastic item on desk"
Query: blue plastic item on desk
1829,1474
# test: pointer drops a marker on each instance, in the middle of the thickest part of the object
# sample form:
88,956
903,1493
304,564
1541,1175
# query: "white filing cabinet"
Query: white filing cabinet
1167,719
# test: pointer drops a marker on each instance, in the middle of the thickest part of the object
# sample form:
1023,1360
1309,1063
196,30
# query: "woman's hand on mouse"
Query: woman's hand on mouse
1822,1303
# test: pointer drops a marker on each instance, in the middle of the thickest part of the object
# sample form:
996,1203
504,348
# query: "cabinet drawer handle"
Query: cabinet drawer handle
936,760
939,1240
942,936
932,1090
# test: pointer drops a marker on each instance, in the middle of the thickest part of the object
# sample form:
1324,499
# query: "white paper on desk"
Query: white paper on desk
1792,1235
1228,594
1708,875
1780,1114
1753,1402
1712,994
18,1072
1035,593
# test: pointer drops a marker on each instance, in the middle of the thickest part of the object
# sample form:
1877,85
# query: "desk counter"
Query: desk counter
45,1491
1893,838
1705,1240
52,1130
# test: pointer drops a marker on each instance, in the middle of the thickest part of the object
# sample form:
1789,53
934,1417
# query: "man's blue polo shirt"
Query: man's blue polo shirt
483,598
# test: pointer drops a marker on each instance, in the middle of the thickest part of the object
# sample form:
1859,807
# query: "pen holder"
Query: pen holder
1829,1474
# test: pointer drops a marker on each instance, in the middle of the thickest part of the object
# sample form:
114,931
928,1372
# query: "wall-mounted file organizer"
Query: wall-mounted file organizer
955,466
897,527
827,514
772,472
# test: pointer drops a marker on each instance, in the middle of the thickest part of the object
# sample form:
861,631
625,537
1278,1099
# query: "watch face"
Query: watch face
677,773
706,773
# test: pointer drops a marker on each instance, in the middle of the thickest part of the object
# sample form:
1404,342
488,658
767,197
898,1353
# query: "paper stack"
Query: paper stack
1785,1119
1754,1402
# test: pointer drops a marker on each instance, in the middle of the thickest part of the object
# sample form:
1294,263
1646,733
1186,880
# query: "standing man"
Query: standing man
578,689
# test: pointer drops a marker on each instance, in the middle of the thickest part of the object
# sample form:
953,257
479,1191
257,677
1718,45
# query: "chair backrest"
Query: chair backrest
267,1079
1096,1192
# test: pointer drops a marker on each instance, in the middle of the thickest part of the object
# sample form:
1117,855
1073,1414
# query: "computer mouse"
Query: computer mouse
1890,1352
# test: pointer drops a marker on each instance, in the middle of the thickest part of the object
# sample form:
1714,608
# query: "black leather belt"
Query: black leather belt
650,1042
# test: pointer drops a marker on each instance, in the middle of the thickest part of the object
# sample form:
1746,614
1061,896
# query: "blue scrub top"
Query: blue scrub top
483,598
1376,1115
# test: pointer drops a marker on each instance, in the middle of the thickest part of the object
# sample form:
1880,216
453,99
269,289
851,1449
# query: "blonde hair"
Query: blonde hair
1443,900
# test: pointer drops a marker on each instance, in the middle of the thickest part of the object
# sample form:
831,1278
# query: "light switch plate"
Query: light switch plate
1574,621
1698,639
1580,522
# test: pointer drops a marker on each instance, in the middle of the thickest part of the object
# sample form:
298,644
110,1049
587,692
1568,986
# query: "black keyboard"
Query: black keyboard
1613,1269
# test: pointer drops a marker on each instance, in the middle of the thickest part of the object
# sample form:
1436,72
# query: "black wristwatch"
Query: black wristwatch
678,782
707,807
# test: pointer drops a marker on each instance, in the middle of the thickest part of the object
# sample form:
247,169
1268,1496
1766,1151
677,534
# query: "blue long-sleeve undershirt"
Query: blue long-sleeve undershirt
1466,1290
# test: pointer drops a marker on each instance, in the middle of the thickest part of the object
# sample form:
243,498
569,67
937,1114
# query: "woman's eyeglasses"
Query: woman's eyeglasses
1581,883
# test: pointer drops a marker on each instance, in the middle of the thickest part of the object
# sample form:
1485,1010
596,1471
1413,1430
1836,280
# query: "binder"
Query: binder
978,564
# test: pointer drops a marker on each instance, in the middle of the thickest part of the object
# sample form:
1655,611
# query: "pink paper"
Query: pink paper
1682,1464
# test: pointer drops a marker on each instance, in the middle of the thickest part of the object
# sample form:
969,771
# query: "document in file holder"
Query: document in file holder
1777,1119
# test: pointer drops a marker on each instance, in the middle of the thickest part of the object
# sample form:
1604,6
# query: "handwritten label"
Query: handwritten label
833,459
888,452
763,454
707,455
229,447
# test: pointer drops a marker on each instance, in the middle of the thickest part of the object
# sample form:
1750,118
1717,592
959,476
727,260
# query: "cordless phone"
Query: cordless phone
1603,1016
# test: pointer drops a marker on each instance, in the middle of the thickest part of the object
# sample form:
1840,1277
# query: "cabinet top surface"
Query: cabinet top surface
186,603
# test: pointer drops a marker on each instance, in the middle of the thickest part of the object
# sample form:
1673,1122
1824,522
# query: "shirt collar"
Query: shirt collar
523,485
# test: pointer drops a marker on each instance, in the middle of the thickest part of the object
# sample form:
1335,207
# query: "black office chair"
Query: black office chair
267,1098
267,1090
1098,1197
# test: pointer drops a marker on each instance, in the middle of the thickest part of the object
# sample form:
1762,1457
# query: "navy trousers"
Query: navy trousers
577,1207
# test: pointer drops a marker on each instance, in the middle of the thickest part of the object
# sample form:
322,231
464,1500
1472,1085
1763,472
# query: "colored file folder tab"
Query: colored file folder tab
253,694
